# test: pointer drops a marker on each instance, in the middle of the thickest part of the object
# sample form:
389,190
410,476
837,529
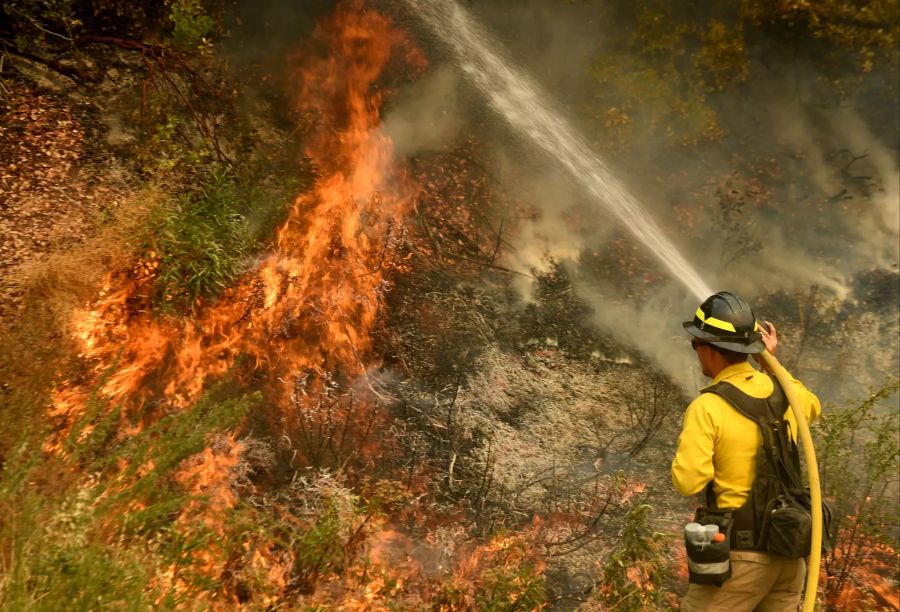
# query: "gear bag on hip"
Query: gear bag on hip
709,560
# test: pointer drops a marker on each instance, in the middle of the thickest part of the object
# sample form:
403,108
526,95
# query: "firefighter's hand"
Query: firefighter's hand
769,336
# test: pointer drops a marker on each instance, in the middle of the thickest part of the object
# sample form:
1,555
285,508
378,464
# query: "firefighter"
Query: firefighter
717,451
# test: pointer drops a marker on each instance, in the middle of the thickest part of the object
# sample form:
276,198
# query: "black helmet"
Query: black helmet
726,321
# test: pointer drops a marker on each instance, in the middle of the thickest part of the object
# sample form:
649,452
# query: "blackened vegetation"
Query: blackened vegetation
515,410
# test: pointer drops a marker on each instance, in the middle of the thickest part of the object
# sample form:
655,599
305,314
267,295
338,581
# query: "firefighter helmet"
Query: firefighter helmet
726,321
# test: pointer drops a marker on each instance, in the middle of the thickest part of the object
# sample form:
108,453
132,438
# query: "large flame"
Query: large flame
309,306
300,321
302,317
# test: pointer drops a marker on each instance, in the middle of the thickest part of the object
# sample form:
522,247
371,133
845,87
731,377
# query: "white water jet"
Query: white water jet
520,101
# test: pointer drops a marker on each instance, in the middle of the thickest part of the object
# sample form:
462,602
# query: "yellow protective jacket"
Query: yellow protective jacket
718,443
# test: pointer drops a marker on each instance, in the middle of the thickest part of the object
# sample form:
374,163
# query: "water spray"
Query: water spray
519,100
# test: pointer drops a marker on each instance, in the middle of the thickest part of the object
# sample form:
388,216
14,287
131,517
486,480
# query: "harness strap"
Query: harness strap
777,449
765,412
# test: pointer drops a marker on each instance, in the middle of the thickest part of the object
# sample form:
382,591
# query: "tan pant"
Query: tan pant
759,582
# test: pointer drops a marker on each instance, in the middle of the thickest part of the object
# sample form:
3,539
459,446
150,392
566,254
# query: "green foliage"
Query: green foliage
61,566
188,25
865,33
859,458
51,559
659,85
859,448
666,80
511,589
200,242
153,456
507,579
101,541
320,550
633,574
37,23
166,148
192,25
327,544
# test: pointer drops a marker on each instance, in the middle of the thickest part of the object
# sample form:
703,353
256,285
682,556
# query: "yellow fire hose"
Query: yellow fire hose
815,491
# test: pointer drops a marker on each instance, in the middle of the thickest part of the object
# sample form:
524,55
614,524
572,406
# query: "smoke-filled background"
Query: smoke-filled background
773,167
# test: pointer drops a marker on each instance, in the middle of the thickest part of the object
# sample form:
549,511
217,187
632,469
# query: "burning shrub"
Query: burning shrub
859,452
503,574
633,574
337,522
106,540
54,562
511,590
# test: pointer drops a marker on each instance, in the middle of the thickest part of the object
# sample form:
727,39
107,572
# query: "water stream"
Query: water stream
520,101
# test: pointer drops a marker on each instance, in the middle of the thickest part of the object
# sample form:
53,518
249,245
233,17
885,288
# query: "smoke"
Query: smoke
828,211
877,231
559,226
652,326
427,114
839,218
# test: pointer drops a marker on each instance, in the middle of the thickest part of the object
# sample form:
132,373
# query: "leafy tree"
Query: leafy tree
679,59
859,446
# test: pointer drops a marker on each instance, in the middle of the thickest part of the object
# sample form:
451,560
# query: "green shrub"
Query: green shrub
200,243
633,574
192,25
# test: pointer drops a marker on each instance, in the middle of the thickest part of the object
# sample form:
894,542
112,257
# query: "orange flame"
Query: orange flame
865,574
307,309
311,304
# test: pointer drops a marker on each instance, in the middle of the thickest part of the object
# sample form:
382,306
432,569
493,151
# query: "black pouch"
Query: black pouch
788,528
710,563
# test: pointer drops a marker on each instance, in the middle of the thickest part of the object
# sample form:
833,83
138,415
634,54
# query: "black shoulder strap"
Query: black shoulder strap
768,414
756,409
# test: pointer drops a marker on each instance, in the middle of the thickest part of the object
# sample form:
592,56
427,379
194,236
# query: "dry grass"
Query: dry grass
35,335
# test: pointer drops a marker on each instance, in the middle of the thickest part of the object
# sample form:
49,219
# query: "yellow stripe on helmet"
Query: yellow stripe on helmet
714,322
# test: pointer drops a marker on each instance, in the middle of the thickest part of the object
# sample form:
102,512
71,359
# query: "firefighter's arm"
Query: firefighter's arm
693,467
811,406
